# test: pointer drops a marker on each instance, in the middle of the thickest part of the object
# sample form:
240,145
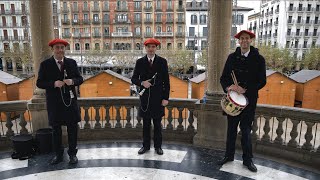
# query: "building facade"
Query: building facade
288,24
14,34
121,24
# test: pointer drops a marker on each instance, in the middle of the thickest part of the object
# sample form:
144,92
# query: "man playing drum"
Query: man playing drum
250,71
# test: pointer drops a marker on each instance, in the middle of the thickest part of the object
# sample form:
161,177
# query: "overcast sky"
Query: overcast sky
255,4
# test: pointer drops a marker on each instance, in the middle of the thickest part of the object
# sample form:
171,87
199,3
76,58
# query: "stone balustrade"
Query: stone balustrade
278,131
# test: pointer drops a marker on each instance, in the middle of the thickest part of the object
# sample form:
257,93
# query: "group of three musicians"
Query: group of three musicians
59,75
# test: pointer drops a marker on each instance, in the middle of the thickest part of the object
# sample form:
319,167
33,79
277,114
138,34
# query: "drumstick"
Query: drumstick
234,78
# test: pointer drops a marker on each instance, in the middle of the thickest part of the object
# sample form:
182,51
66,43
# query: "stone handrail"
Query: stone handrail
276,129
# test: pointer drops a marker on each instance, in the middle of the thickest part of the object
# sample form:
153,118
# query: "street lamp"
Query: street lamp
79,39
194,56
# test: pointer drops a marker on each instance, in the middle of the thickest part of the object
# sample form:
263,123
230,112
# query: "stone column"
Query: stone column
42,33
14,67
212,125
4,64
23,68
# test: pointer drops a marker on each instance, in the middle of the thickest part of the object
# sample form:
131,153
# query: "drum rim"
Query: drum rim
236,102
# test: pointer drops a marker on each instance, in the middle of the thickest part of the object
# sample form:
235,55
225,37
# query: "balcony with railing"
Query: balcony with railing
148,34
75,21
106,21
169,21
292,9
290,22
286,133
121,21
158,21
14,38
96,35
137,20
163,34
96,9
148,20
85,9
106,34
137,34
139,8
180,8
121,9
86,21
96,21
147,9
169,9
66,35
180,34
65,21
122,34
65,10
180,20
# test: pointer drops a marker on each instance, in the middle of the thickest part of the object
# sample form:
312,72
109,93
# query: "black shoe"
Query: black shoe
73,159
250,166
56,160
225,160
159,151
143,150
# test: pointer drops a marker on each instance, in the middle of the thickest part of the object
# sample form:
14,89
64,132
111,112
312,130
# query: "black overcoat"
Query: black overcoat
250,73
160,89
49,72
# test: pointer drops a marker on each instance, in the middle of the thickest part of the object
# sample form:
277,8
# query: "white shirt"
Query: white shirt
246,54
59,66
150,58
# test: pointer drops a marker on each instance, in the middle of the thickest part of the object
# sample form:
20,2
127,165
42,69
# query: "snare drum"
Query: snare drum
233,103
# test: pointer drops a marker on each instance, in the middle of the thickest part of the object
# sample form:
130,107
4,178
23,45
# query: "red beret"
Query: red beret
245,31
58,41
151,41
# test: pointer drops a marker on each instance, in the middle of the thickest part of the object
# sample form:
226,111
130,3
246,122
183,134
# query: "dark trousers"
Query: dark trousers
246,119
72,139
157,136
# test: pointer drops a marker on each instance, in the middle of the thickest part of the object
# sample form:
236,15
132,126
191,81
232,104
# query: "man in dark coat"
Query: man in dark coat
151,74
250,71
59,75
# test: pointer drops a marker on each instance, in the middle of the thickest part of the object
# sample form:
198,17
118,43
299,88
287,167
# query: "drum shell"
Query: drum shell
43,140
22,144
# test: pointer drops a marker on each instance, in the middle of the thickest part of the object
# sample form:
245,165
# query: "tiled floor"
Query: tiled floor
120,160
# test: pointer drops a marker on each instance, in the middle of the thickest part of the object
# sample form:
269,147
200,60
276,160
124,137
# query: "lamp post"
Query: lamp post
81,54
194,56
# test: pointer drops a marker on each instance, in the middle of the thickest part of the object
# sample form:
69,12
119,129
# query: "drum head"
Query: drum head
238,98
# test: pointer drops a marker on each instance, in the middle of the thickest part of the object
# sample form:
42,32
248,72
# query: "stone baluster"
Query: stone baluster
308,136
266,129
139,124
294,133
107,118
190,120
180,119
169,125
97,118
23,123
254,134
128,118
9,125
279,131
118,117
86,117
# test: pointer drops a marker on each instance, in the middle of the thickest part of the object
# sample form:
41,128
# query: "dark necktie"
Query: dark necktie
61,65
150,62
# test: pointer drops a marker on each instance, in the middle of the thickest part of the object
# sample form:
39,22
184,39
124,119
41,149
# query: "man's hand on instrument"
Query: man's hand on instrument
237,89
164,102
69,82
58,84
146,84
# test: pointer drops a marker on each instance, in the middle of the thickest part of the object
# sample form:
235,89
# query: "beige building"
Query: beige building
120,24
